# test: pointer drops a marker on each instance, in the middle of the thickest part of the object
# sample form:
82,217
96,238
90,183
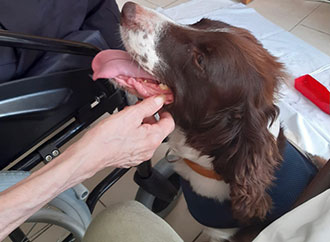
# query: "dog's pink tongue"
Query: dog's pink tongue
114,63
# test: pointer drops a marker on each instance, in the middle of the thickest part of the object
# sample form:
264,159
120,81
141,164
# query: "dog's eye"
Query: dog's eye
199,60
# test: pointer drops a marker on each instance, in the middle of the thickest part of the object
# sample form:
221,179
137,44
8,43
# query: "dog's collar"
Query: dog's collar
202,170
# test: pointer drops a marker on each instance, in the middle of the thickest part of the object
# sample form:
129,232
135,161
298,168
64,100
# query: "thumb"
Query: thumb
150,106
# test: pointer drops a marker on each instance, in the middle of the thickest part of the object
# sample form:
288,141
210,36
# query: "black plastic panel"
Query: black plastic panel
21,130
34,103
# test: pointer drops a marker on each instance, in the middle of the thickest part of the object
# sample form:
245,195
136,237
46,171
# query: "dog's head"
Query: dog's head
209,66
223,82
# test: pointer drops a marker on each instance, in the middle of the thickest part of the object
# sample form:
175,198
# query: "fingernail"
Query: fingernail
159,100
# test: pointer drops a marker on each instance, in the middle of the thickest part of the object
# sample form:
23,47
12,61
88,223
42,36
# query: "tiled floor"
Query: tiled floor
309,20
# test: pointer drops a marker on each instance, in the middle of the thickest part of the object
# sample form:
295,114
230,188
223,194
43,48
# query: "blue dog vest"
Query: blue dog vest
292,177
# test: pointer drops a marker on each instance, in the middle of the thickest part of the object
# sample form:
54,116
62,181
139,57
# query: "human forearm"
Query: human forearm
25,198
122,140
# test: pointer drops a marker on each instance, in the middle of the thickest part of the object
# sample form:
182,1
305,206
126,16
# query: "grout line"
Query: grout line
199,234
305,17
170,3
100,201
154,4
320,31
322,1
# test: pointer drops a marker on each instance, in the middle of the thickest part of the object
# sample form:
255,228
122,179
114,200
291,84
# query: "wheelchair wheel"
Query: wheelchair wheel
45,224
64,215
160,207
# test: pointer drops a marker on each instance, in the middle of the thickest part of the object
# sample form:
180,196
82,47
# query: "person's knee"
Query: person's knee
129,221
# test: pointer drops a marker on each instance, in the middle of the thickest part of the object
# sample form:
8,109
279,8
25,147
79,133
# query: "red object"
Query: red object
314,91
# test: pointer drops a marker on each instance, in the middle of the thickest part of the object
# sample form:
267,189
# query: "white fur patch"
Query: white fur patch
141,41
219,235
142,47
202,185
274,129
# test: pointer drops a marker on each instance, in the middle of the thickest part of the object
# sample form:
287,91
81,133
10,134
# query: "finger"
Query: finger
165,124
149,106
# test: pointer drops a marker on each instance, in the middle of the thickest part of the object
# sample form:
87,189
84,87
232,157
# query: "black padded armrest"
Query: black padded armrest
32,108
34,103
44,93
25,41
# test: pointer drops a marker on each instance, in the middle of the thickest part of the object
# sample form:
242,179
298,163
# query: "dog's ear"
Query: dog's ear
250,164
254,169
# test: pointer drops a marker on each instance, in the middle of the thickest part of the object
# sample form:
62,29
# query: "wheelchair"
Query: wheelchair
40,114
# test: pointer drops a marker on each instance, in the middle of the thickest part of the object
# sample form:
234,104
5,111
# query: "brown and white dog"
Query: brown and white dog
220,85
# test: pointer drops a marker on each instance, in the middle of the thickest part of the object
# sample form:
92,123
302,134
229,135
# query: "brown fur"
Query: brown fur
318,161
224,85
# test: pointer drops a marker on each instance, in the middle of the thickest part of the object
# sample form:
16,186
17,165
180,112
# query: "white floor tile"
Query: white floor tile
99,208
149,4
286,14
315,38
202,238
162,3
175,3
54,233
125,189
319,19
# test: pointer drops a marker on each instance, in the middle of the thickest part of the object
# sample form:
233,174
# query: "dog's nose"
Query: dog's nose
128,13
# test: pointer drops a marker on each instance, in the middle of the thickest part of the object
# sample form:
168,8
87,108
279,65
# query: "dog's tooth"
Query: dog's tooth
145,81
163,86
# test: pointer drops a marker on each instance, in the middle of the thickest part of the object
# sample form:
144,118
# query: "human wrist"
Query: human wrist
84,158
75,162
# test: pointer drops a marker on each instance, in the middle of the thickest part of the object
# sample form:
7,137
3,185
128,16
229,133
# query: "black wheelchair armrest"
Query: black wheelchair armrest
17,40
33,108
33,95
34,103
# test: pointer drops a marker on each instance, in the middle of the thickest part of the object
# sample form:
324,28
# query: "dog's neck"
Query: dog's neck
178,146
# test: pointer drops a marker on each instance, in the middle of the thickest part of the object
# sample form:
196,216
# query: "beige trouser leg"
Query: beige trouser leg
129,222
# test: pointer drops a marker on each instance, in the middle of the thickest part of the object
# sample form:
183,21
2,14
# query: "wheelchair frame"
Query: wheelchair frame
108,100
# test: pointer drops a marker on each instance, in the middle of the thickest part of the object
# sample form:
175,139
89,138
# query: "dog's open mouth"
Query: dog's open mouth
118,66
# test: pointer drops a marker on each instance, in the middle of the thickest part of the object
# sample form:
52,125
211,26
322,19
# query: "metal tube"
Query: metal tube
103,186
58,218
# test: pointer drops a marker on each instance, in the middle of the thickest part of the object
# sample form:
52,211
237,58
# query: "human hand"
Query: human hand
126,138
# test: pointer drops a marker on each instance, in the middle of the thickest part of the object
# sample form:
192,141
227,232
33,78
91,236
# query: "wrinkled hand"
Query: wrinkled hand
127,138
